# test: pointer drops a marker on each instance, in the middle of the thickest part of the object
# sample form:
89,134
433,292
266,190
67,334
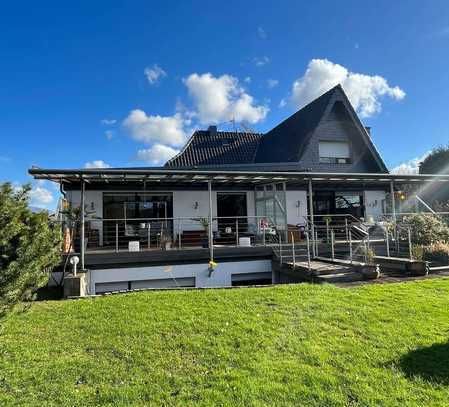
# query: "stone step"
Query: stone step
340,277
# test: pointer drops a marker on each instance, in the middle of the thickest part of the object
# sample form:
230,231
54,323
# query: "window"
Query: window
334,152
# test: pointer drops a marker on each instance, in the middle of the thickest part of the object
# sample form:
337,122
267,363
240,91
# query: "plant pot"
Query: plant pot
418,268
370,271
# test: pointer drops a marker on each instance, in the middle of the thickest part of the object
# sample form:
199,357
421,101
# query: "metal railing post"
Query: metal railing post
179,235
116,237
162,234
263,234
410,254
327,230
293,249
387,241
332,245
308,249
346,229
280,249
350,246
236,232
316,242
398,237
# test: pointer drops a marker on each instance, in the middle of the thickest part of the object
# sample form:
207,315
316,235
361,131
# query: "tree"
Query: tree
29,248
437,162
427,229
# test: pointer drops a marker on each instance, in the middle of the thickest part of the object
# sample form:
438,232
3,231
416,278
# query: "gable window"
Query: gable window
334,152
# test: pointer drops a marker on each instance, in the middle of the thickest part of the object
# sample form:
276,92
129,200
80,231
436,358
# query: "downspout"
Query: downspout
82,221
61,190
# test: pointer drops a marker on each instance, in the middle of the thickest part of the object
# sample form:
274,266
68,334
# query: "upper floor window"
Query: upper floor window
334,152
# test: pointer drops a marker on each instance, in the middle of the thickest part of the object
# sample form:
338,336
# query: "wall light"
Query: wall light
196,205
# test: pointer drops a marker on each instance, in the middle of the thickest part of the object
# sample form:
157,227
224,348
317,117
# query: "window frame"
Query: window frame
335,160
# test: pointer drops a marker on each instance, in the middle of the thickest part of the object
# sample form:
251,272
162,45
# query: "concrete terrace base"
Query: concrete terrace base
76,286
412,267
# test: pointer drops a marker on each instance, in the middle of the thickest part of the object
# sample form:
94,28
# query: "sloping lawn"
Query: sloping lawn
304,345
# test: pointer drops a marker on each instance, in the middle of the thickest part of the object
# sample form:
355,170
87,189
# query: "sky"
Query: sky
125,83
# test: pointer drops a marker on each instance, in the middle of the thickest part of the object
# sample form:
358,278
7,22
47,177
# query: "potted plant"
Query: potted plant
369,269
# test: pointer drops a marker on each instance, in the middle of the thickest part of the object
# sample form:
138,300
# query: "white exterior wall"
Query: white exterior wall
296,207
183,207
221,277
373,204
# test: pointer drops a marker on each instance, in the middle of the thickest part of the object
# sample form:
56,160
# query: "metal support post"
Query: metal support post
210,232
308,249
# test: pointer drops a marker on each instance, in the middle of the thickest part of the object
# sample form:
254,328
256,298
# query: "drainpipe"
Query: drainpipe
61,190
210,232
83,186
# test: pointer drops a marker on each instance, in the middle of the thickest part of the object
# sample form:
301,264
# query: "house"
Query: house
229,197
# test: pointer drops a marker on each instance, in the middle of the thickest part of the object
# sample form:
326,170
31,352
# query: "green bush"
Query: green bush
418,252
438,252
368,254
29,248
427,229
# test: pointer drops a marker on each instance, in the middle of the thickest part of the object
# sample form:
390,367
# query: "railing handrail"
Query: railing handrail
195,218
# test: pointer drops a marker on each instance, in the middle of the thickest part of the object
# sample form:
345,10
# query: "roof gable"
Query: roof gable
290,140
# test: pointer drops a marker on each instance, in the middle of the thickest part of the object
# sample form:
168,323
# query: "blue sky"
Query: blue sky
125,82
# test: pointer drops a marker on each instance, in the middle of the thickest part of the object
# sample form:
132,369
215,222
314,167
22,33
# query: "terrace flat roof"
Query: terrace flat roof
158,174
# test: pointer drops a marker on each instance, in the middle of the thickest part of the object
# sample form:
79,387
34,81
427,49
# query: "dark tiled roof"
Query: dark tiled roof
286,142
209,147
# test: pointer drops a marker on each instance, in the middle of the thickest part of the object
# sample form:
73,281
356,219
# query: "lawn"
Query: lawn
303,345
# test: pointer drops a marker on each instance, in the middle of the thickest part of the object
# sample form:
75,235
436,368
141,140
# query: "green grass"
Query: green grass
304,345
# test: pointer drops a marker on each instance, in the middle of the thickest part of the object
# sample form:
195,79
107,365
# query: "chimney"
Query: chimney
212,131
368,130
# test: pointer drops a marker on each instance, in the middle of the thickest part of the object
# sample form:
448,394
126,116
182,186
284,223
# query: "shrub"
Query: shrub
368,254
427,229
29,248
438,252
418,252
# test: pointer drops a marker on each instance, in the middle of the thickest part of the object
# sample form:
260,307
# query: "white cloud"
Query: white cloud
40,196
109,134
162,129
364,91
157,154
247,79
272,83
409,167
219,99
154,74
108,122
261,61
261,33
97,164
